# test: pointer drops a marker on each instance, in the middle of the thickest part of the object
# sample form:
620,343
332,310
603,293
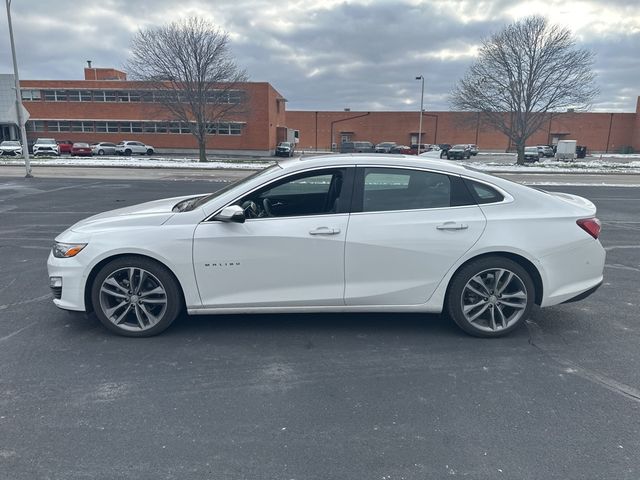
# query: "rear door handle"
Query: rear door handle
324,231
452,226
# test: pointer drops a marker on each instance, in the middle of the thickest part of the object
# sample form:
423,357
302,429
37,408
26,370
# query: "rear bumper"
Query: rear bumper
584,294
572,273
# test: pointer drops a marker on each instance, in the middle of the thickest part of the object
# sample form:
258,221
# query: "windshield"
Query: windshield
10,143
46,141
195,202
459,147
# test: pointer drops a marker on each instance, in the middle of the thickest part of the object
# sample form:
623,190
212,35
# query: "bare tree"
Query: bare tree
522,74
192,72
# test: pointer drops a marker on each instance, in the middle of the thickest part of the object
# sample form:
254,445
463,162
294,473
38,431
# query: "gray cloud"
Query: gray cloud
364,57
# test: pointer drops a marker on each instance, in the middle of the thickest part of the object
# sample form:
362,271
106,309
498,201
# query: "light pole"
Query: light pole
421,77
23,132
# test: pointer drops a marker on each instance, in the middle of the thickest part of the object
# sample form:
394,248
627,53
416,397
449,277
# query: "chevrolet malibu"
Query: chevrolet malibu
350,233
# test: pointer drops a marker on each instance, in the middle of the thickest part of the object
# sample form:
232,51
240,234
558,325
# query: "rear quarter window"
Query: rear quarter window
483,193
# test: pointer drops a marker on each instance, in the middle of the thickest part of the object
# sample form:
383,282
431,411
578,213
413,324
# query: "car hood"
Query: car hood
152,213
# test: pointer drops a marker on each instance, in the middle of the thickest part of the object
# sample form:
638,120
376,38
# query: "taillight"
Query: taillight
590,225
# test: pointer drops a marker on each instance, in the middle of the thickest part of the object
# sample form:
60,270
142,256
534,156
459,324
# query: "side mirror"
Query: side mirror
232,213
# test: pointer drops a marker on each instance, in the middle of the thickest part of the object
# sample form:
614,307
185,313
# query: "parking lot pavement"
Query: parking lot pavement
309,396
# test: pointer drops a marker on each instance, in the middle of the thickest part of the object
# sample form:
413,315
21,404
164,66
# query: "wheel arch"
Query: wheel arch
88,304
525,263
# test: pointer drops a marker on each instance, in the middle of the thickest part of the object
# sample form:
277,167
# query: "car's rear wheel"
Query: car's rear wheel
490,297
135,297
100,152
127,152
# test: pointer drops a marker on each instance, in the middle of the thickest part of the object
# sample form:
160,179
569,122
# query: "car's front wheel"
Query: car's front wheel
490,297
150,151
136,297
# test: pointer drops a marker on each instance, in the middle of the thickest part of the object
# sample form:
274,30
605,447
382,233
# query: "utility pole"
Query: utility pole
19,107
421,77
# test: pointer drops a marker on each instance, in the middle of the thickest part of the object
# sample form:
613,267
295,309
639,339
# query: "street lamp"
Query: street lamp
421,77
19,107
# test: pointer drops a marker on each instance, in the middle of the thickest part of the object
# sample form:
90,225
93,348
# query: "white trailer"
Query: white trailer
566,149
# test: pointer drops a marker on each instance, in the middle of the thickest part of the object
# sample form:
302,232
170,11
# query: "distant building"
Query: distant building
600,132
105,106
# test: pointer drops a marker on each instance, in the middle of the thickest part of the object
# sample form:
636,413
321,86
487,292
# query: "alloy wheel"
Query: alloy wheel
133,299
494,299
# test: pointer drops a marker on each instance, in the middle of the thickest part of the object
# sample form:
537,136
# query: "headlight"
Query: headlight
67,250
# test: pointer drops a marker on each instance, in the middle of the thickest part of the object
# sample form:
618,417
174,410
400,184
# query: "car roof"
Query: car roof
347,159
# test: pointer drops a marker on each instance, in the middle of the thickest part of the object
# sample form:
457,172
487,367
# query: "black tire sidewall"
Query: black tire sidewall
460,279
174,297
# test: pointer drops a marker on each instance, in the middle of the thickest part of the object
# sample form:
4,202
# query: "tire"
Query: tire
150,151
100,152
477,277
130,311
127,152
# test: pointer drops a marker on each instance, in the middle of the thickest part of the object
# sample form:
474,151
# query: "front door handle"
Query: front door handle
452,226
324,231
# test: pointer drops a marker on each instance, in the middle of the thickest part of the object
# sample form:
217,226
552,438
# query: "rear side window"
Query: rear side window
385,189
484,193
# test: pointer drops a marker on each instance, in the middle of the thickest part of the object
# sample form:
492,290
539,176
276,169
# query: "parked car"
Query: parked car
403,149
103,148
546,150
285,149
46,146
131,147
473,149
459,152
385,147
428,237
65,146
357,147
10,147
81,149
532,154
424,147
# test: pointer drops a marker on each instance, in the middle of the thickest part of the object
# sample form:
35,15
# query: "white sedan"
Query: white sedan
349,233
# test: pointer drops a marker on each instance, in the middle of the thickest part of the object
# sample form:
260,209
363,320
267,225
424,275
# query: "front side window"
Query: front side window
319,192
385,189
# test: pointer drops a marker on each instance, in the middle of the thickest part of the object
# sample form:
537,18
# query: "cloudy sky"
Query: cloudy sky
330,54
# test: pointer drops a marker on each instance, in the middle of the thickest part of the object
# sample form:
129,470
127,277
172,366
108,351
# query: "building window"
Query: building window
185,127
125,127
146,96
73,95
136,127
79,126
31,95
149,127
56,126
104,96
161,127
107,127
174,127
55,95
35,125
123,96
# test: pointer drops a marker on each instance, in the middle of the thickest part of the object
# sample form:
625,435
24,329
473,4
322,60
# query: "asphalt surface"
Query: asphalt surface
358,396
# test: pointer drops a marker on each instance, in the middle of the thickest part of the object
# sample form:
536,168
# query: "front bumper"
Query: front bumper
69,294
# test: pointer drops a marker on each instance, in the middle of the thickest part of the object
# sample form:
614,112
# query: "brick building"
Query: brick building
600,132
105,106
